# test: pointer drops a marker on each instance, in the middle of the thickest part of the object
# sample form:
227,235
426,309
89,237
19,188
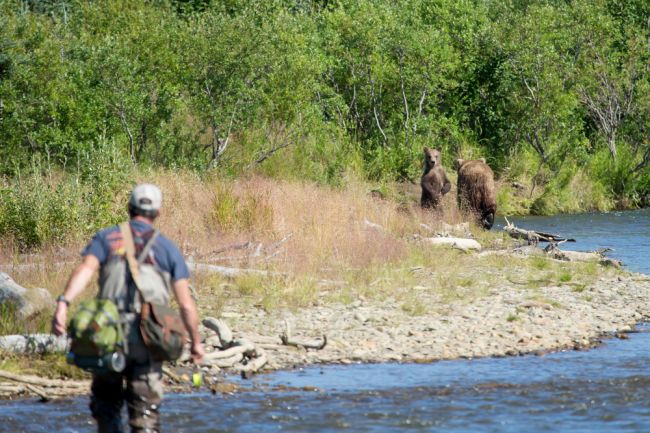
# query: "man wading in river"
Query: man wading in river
143,374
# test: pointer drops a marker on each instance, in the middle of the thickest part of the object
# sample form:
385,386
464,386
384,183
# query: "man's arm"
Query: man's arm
190,316
78,281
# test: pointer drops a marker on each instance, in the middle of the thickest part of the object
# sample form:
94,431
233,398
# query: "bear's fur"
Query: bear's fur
434,181
476,190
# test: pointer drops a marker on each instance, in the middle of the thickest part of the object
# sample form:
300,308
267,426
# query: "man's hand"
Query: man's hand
190,316
60,318
76,284
197,351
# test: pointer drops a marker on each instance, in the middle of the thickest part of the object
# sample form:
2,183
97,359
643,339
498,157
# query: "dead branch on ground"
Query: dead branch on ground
533,236
288,340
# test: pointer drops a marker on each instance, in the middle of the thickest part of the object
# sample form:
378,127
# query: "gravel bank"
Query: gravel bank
507,321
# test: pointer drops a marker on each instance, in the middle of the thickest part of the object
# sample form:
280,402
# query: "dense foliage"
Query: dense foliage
555,94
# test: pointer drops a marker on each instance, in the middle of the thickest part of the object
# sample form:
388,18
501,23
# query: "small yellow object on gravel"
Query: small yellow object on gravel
197,380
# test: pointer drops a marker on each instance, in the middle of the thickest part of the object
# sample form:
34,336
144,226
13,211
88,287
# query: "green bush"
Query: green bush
52,206
318,90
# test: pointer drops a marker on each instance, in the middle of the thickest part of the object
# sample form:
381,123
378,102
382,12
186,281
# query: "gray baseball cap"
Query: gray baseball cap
146,197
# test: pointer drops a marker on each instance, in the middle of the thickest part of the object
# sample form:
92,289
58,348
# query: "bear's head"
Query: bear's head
432,158
460,162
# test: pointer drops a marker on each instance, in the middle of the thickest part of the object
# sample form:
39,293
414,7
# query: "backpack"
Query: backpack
95,328
161,328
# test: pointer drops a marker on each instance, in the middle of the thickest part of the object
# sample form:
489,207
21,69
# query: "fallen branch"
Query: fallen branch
173,376
278,244
241,246
222,330
287,340
11,390
580,256
243,347
254,365
39,381
226,271
225,363
39,392
372,225
532,236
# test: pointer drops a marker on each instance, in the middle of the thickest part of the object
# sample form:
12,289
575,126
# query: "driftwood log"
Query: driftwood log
580,256
222,330
14,384
254,364
33,344
241,354
533,236
239,347
460,243
288,340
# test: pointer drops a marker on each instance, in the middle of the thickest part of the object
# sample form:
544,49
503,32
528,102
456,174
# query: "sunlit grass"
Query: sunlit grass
52,366
314,244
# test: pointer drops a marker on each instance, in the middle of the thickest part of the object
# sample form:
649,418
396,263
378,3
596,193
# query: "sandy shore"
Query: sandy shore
505,322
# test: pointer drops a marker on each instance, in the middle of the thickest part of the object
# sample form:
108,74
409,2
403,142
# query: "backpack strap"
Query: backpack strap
148,246
129,246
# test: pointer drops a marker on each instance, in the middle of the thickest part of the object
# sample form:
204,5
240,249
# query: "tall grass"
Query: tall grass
315,243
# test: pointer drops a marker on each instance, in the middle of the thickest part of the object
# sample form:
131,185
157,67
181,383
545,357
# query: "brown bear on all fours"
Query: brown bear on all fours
476,190
434,181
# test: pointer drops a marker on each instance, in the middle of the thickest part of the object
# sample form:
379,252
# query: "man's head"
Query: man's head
145,201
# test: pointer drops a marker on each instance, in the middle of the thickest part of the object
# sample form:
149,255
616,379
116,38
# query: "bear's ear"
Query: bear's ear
458,163
426,149
482,160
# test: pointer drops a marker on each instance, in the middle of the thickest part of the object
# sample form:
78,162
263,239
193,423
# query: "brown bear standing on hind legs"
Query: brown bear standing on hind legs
434,181
476,190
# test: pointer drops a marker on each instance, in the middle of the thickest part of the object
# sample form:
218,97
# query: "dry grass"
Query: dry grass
329,228
320,244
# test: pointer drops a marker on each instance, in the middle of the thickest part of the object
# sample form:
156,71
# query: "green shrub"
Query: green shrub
49,206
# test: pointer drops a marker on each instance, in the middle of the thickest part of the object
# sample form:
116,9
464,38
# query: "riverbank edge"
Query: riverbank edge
504,323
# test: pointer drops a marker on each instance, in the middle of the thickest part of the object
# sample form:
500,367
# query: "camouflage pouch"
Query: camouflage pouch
163,331
95,329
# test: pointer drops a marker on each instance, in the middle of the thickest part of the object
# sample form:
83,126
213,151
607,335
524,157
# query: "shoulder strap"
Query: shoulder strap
148,246
129,246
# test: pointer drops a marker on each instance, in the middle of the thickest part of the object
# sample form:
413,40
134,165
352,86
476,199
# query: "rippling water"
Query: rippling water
603,390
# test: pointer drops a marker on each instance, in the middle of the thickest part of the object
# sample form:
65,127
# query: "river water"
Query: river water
602,390
626,233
